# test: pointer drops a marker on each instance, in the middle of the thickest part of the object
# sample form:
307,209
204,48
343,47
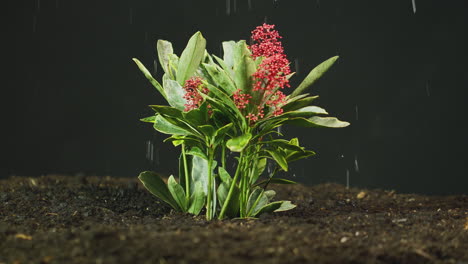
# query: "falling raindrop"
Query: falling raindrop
155,67
249,3
130,16
265,20
347,179
414,6
356,164
57,4
38,4
228,7
318,2
149,150
296,65
279,129
357,113
235,6
427,89
34,23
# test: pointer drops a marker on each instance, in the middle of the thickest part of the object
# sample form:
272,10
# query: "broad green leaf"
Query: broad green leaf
167,111
294,104
269,194
225,67
162,125
283,144
233,206
221,78
199,173
243,73
229,50
207,130
259,169
196,151
316,121
276,181
256,201
221,132
313,110
197,116
164,48
285,206
237,144
314,75
277,206
155,185
173,65
175,93
296,155
279,158
148,76
149,119
197,200
224,175
191,58
177,193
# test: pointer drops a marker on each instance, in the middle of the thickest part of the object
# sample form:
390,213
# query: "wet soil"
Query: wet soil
57,219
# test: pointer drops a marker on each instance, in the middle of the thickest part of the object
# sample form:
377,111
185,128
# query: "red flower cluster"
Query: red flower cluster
267,39
241,100
272,72
193,87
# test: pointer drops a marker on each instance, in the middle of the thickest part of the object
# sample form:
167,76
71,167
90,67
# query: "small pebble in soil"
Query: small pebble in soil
344,239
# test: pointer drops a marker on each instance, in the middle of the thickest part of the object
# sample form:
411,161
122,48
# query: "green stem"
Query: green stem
231,188
187,185
223,155
209,212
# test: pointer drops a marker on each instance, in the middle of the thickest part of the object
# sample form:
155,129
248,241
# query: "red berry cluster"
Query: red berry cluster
193,88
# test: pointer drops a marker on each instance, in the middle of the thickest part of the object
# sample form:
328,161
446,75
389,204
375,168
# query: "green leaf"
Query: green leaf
167,111
237,144
191,57
199,173
256,201
197,116
155,185
219,134
243,73
276,181
314,75
283,144
277,206
316,121
148,76
207,130
162,125
177,193
224,175
221,78
294,104
296,155
196,151
149,119
175,93
164,48
279,158
259,169
234,205
229,50
197,200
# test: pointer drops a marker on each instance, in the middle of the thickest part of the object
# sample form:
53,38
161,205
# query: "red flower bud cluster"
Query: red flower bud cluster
193,88
241,100
272,72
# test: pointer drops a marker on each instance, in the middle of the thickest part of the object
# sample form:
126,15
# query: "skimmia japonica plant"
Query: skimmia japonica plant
231,104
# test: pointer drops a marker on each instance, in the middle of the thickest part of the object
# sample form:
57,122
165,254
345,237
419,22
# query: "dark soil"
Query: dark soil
56,219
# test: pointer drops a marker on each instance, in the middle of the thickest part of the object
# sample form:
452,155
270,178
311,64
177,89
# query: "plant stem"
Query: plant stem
209,212
223,155
187,182
231,188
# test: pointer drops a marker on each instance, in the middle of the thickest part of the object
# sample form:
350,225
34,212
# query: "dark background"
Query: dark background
72,97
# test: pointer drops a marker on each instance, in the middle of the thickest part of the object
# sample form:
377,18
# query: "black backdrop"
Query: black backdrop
72,96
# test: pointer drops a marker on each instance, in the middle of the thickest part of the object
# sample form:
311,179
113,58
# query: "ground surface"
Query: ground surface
58,219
